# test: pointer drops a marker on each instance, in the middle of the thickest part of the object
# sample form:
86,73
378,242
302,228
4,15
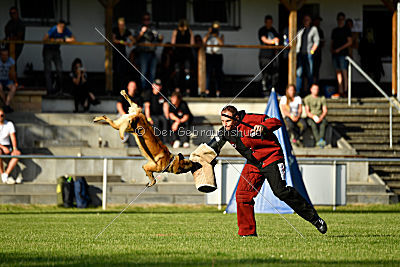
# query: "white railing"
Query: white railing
333,160
352,63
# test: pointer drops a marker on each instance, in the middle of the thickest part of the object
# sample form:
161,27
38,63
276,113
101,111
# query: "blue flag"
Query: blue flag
266,202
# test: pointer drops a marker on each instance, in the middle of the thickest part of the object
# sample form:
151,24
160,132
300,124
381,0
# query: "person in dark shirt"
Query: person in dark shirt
132,92
341,40
156,109
265,160
181,118
267,35
52,53
15,30
121,38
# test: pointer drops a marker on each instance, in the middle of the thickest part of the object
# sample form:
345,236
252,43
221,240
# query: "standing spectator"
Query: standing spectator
316,111
15,30
156,109
268,36
183,56
318,53
370,57
120,38
8,79
166,69
132,92
181,117
341,40
354,36
214,59
7,132
80,89
307,43
291,107
52,53
147,60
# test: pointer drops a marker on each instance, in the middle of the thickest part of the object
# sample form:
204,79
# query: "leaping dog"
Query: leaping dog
159,157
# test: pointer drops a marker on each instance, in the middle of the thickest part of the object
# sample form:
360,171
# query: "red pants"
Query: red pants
244,198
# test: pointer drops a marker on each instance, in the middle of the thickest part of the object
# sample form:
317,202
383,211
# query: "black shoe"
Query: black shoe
252,235
321,226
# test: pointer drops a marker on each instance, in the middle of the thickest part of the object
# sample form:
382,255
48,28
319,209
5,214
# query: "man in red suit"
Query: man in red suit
265,160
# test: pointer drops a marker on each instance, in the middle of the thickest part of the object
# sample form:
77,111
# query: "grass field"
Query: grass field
195,235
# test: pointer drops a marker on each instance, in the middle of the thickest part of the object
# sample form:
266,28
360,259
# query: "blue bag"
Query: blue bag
81,192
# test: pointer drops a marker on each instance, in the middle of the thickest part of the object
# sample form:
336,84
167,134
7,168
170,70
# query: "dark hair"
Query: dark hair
13,8
75,62
3,50
146,14
61,21
231,109
307,15
267,17
177,94
340,14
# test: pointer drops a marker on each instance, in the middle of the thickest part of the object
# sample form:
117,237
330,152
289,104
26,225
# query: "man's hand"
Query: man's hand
175,126
5,149
258,129
294,118
144,29
15,152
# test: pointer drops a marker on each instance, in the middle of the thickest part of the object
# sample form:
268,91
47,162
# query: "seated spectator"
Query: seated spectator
156,109
7,132
80,90
316,110
291,107
181,117
52,53
8,79
132,92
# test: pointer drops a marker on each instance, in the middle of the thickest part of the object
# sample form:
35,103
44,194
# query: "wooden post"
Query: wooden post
394,53
201,70
292,53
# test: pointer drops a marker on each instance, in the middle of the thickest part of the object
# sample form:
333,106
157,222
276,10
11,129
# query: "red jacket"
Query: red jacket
258,150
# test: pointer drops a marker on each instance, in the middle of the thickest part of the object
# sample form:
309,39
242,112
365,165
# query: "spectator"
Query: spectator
268,36
7,132
156,109
147,60
120,38
291,107
181,117
166,69
370,57
80,89
214,59
52,53
132,92
308,41
354,36
15,30
341,40
8,79
316,111
183,55
318,53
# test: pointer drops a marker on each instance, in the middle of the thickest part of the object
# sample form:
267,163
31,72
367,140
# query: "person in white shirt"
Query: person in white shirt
291,108
7,134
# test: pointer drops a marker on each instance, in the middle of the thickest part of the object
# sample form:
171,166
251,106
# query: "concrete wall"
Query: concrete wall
85,15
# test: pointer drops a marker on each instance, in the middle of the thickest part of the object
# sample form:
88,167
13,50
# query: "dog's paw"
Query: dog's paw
150,184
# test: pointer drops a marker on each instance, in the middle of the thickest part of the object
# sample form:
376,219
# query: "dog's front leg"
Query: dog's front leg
149,168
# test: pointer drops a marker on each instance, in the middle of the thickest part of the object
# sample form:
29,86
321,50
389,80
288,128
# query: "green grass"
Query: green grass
195,235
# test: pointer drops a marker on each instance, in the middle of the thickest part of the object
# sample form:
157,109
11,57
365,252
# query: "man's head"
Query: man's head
2,115
228,123
3,54
146,19
340,18
176,98
60,26
314,89
317,21
157,86
121,23
14,13
307,20
131,88
268,21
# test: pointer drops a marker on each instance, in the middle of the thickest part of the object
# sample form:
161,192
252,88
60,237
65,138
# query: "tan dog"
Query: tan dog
159,157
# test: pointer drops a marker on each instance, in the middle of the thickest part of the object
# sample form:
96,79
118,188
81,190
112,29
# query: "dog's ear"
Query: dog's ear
181,157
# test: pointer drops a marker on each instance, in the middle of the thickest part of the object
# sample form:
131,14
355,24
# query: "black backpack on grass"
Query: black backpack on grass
65,192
